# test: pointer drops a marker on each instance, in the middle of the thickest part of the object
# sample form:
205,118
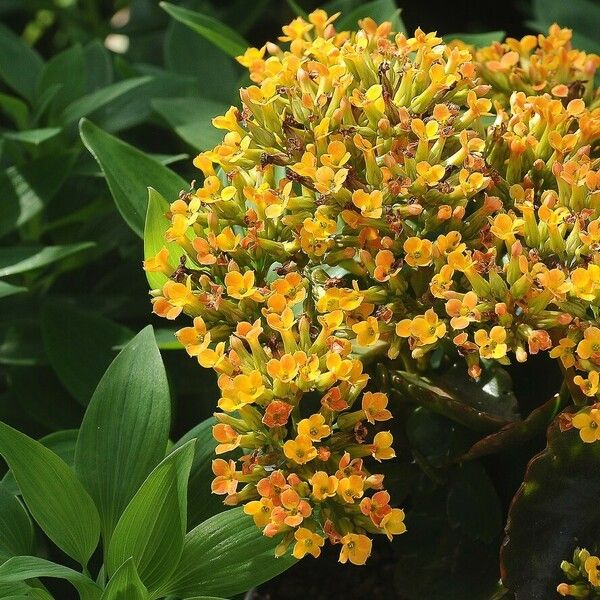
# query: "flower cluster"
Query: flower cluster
369,201
583,575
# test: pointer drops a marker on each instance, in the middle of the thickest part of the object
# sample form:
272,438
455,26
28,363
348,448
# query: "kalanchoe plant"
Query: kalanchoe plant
391,202
113,497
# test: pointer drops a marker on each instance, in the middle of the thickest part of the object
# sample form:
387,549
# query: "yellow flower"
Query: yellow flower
564,351
418,252
588,423
374,406
590,385
491,345
430,174
195,339
463,312
393,523
589,347
382,446
307,542
260,511
369,203
356,548
241,286
592,567
159,263
314,428
350,488
323,485
367,332
300,450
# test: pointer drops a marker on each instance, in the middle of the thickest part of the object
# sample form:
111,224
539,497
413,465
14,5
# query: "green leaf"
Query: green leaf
555,510
473,504
125,584
16,109
28,188
66,69
79,345
99,70
479,40
202,503
297,9
213,30
86,106
154,235
114,456
20,66
226,555
19,342
152,528
6,289
129,172
484,406
20,259
191,119
379,10
16,529
22,568
52,493
33,137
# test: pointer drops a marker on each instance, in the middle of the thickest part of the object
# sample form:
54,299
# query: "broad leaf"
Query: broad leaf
22,568
54,496
219,34
19,342
86,106
555,510
129,172
33,137
20,259
6,289
125,584
80,346
20,65
191,119
16,109
16,529
99,71
114,455
152,528
28,188
224,556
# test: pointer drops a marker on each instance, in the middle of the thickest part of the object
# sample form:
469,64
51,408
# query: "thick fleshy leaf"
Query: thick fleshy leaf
484,406
191,119
20,65
125,584
16,529
28,188
22,568
202,503
86,106
152,528
478,40
154,235
219,34
379,10
224,556
20,259
555,510
125,430
129,172
54,496
80,346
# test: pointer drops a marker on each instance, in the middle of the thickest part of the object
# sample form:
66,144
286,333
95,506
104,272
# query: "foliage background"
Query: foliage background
72,290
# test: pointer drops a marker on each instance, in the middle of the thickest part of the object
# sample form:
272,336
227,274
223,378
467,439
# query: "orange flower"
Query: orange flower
369,203
418,252
350,488
277,414
307,542
227,437
323,485
463,312
225,481
300,450
374,405
241,286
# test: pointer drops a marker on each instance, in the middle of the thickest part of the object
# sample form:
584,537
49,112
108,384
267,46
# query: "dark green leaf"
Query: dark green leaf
129,172
20,66
99,71
16,529
213,30
87,105
191,119
479,40
226,555
20,259
80,346
152,528
19,342
125,584
16,109
114,456
22,568
54,496
10,290
555,510
27,189
33,137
